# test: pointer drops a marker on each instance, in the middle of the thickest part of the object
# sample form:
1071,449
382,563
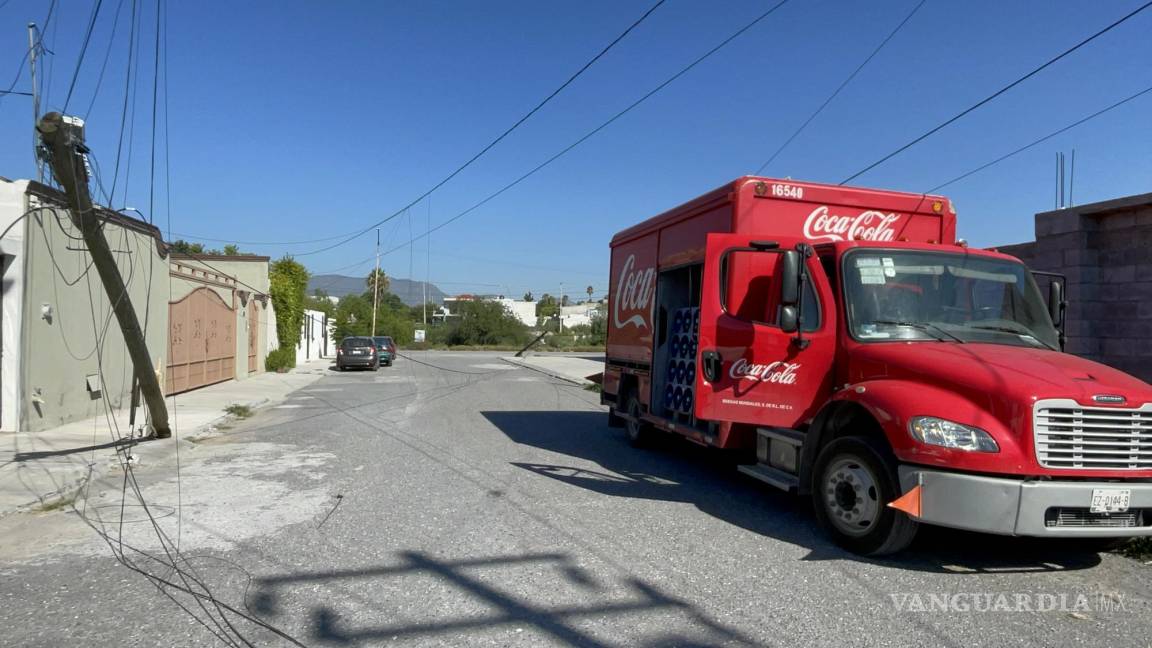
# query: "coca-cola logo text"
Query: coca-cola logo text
783,373
634,292
867,226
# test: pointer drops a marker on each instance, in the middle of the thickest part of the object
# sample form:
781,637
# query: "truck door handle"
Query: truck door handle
711,363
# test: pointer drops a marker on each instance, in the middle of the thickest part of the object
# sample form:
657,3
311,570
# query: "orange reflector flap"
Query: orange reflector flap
908,502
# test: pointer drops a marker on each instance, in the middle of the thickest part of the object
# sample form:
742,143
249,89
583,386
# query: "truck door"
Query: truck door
750,369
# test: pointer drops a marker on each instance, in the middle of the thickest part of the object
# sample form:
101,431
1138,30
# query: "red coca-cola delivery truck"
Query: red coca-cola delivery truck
859,354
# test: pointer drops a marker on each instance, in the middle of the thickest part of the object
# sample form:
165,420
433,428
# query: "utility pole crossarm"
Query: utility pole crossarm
63,137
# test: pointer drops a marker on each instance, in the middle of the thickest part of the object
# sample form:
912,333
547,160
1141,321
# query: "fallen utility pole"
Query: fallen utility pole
63,139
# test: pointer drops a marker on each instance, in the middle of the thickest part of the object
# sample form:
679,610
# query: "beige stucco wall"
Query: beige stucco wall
70,335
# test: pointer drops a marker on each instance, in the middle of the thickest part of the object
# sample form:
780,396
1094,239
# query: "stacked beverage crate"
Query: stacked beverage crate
680,386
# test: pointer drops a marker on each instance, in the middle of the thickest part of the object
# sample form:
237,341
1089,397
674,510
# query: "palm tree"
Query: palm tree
590,290
381,279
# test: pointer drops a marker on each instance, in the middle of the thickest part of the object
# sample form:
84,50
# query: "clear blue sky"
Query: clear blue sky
294,120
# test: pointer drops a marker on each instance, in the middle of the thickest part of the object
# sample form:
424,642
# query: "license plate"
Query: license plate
356,352
1110,500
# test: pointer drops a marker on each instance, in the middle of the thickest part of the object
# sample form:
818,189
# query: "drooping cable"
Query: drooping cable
996,94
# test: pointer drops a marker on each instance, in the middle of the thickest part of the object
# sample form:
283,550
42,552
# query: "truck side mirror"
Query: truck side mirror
789,319
1056,303
790,279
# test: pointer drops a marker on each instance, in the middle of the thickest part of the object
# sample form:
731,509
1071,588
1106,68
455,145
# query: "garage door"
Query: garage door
201,342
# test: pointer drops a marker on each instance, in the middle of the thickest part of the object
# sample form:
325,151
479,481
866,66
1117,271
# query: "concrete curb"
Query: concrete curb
519,362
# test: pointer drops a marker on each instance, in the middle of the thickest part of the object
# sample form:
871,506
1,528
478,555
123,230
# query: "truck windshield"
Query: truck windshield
912,295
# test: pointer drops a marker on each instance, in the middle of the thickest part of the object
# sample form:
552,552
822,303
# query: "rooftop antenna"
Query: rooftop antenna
1072,178
1061,179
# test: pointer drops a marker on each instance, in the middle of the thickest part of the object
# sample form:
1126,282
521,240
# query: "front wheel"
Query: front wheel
854,480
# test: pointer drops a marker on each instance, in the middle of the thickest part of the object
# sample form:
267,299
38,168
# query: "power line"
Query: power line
843,85
83,51
599,128
1041,140
992,96
133,30
353,235
107,55
155,97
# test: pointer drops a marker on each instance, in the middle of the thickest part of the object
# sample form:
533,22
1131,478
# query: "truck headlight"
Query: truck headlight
949,434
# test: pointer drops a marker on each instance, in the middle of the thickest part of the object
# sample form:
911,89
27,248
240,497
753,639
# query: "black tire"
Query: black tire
854,479
639,433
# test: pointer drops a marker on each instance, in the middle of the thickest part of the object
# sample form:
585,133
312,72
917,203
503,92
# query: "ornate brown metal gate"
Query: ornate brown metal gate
253,333
201,341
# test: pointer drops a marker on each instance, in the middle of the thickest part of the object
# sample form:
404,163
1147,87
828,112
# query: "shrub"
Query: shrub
280,359
288,280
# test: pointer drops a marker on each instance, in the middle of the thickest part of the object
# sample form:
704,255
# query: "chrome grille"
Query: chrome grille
1068,435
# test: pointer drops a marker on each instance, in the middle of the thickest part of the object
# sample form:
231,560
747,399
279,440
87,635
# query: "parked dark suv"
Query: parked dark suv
356,352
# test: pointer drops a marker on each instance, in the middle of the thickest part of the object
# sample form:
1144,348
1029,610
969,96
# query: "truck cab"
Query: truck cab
859,355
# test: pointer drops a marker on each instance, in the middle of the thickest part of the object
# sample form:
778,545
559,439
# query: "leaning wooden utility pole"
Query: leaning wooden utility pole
63,139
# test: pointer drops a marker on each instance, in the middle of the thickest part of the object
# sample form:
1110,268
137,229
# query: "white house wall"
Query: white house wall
12,205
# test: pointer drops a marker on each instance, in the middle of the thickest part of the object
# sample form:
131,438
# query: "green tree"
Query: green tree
590,290
318,301
379,278
416,313
485,322
353,316
528,296
288,281
234,250
546,307
184,247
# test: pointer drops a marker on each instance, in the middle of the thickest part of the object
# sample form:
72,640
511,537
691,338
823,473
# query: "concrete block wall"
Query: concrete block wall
1105,250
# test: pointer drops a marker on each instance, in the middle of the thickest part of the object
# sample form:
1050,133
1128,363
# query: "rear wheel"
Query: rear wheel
854,480
639,433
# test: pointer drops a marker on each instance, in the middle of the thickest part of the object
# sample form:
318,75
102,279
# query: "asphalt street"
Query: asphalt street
454,499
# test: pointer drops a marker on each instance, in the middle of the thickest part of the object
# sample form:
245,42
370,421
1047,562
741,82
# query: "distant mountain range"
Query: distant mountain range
410,292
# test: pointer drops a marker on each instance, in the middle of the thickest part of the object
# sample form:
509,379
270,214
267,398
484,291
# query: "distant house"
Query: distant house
524,311
578,315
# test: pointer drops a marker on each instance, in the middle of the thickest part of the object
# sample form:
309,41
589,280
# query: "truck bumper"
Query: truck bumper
1024,507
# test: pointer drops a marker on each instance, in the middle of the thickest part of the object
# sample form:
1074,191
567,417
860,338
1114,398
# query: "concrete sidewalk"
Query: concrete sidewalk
572,367
38,469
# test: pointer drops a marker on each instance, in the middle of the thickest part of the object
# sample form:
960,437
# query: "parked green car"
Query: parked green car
385,350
